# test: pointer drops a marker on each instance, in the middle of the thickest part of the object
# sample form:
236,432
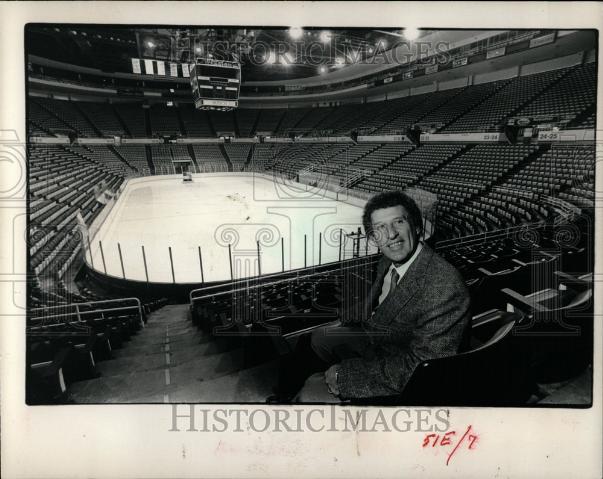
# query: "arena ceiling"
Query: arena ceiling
266,54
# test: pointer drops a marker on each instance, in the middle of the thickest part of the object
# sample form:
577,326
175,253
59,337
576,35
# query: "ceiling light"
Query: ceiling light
150,44
325,36
270,58
353,56
411,33
287,58
296,32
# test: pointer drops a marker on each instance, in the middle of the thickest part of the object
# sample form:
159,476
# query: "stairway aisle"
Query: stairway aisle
171,361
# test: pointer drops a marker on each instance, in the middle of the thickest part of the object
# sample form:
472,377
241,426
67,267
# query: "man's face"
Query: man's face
394,234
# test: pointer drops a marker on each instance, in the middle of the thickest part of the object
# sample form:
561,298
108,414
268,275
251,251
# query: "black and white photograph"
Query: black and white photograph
300,239
310,215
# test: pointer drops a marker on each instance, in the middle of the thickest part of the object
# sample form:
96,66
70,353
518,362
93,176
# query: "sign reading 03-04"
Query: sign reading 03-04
215,84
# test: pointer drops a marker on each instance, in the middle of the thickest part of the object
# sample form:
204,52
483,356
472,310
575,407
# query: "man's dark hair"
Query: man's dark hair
388,199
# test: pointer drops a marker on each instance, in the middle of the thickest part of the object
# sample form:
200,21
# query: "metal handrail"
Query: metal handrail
290,272
193,297
78,313
486,235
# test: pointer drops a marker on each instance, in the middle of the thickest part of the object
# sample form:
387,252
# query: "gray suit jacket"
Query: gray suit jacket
426,317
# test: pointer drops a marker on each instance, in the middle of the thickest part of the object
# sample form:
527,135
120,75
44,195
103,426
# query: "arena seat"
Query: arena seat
410,165
64,342
196,122
245,119
45,379
133,117
103,117
483,106
210,158
164,121
490,373
378,159
135,156
492,113
558,332
588,122
343,119
238,153
269,120
560,100
288,303
375,114
60,193
70,114
264,155
344,164
223,122
102,155
311,119
165,155
296,157
290,120
44,121
422,105
465,100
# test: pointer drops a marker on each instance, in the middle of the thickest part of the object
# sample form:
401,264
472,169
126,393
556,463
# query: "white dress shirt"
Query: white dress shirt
402,269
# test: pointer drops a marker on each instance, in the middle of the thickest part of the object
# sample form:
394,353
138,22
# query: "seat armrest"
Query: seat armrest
521,301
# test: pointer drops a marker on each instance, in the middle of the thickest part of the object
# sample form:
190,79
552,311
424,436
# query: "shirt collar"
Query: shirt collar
403,268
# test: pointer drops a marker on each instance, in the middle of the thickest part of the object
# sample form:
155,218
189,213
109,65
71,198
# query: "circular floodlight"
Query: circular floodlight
411,33
296,32
325,36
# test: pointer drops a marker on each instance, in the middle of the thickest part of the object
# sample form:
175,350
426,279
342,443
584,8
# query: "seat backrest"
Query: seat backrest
504,329
483,375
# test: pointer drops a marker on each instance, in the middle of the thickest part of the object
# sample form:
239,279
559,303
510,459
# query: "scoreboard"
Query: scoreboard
215,84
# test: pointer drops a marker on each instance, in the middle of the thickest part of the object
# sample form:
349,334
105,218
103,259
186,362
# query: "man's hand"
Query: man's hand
331,379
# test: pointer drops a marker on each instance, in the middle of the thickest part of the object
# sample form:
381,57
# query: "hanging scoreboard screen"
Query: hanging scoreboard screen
215,84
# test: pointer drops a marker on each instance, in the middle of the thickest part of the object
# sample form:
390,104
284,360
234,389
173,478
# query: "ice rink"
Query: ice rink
215,211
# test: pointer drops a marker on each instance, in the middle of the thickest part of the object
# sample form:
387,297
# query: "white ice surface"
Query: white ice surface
212,212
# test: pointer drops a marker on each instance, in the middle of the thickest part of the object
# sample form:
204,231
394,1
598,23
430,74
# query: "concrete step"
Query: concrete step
170,360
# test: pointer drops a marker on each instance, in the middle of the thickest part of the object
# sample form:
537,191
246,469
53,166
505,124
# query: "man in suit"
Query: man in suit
418,310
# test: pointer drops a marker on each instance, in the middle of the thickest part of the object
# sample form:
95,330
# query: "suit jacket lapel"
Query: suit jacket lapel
376,287
407,287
